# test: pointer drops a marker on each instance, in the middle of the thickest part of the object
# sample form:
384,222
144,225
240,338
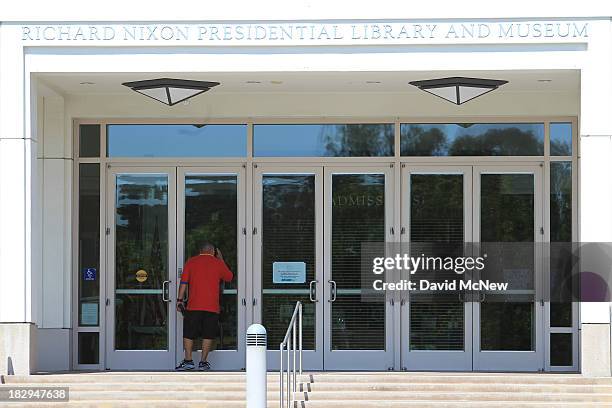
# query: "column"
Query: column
595,198
18,147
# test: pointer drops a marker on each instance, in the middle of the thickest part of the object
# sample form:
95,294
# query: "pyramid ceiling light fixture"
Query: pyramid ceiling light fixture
458,90
170,91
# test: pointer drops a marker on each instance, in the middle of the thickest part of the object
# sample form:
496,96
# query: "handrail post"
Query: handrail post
282,375
293,344
289,394
294,352
300,325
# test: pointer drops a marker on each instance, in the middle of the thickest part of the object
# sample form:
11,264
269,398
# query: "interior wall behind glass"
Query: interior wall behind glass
324,140
167,140
472,139
89,140
89,244
562,256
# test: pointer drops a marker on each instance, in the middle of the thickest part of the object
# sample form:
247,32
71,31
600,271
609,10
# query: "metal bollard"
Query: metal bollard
256,367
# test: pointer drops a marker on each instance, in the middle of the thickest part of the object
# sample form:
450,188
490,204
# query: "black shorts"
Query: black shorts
200,324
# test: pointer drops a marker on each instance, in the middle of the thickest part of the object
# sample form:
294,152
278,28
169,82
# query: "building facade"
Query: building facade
312,144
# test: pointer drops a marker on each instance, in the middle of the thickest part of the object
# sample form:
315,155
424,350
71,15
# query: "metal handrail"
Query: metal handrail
294,330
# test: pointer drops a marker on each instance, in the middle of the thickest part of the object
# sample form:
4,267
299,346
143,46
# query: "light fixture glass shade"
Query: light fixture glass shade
170,91
458,90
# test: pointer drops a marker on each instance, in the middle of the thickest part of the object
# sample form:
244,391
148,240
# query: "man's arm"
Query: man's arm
182,287
226,274
181,296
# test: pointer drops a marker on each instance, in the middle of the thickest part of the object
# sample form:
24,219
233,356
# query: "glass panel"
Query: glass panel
89,244
472,139
507,235
560,139
561,349
89,348
358,216
211,214
354,140
176,140
561,249
288,235
141,252
89,140
436,229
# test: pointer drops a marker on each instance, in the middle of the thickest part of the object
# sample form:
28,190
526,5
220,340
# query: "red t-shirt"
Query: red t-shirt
203,273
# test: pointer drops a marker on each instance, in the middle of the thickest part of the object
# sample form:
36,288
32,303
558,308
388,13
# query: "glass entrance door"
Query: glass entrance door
437,214
211,208
358,324
309,227
288,256
508,227
141,255
497,212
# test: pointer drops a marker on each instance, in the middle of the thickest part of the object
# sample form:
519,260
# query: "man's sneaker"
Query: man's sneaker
204,366
185,366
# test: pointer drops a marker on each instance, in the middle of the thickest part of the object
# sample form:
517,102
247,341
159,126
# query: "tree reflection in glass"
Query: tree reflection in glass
141,243
478,139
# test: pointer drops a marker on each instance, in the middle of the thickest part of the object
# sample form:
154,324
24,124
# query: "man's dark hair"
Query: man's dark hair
207,246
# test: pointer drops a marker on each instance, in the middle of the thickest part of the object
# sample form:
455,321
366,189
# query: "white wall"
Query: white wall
365,105
70,10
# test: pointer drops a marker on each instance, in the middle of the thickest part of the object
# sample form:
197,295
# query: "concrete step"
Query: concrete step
118,403
347,378
162,395
342,395
186,377
514,378
317,404
487,387
447,404
330,386
327,389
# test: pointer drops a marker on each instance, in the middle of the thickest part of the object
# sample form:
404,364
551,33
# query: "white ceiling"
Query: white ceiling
566,81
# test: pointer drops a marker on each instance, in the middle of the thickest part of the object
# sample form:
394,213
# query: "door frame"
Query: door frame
435,360
219,359
374,360
515,360
312,359
142,359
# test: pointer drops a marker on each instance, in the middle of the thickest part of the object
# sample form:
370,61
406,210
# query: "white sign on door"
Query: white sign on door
289,272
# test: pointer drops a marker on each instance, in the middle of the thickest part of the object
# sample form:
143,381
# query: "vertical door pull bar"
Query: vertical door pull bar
313,291
333,291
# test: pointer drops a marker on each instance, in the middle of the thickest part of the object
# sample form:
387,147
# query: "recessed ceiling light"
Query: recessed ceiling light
253,82
372,82
276,82
87,83
544,80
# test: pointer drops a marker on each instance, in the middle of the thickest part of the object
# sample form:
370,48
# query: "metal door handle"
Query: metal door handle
312,290
165,291
333,293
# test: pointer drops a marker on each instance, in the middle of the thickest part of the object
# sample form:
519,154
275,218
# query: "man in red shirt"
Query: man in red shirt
202,274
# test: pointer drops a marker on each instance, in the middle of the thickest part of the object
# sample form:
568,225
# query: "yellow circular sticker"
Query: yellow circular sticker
141,275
